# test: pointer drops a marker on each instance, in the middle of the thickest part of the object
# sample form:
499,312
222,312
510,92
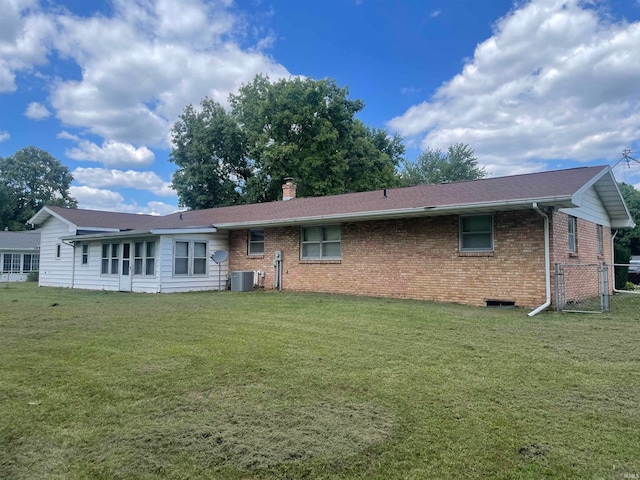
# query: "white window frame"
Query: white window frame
321,243
85,254
191,258
58,251
572,236
252,244
144,258
12,266
34,259
462,234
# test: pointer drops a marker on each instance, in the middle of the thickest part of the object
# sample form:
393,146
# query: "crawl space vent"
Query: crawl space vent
499,303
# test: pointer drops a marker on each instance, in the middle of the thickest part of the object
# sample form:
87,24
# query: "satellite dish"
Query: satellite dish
219,256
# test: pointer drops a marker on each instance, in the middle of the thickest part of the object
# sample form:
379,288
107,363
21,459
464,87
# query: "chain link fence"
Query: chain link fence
583,287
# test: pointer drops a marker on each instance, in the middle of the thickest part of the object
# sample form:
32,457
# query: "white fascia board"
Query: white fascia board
564,201
98,229
170,231
107,235
43,215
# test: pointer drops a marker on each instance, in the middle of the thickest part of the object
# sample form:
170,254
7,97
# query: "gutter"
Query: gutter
547,267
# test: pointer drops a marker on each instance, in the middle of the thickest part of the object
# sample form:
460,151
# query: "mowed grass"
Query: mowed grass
283,385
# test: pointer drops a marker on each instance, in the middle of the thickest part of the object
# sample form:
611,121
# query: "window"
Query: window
11,263
476,233
58,251
105,259
320,243
181,259
150,259
256,242
115,257
573,243
599,238
30,262
110,258
85,254
144,258
190,258
199,258
138,249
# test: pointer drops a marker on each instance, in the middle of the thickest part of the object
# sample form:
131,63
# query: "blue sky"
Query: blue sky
530,85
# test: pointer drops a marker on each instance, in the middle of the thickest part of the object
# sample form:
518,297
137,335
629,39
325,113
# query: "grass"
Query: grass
283,385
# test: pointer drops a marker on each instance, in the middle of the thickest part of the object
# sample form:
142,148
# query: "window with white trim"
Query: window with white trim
30,262
85,254
190,258
256,242
115,258
573,235
321,243
110,259
11,263
104,269
476,233
144,254
599,240
58,251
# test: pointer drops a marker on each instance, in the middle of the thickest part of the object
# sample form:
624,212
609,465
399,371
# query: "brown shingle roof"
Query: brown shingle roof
534,186
551,185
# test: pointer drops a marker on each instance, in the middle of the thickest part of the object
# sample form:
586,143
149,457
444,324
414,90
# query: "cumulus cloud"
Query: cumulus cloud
105,178
143,64
37,111
98,199
557,80
24,34
111,154
4,136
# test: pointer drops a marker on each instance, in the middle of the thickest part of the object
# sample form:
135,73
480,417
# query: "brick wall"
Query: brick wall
412,258
580,282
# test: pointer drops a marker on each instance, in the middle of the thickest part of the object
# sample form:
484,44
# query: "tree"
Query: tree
300,128
32,179
433,166
628,238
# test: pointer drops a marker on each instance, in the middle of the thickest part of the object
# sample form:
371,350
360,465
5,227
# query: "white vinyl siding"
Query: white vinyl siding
476,233
55,272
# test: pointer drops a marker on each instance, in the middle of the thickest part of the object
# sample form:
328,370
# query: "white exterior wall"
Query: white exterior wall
55,272
182,283
591,209
89,276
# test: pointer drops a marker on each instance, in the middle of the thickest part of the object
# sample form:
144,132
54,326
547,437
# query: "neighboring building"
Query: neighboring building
19,254
474,242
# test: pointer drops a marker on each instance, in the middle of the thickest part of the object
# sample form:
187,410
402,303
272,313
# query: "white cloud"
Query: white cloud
145,63
111,153
37,111
435,13
557,80
105,178
24,33
107,200
4,136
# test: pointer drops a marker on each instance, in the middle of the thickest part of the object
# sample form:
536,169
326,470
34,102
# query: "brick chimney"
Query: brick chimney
288,189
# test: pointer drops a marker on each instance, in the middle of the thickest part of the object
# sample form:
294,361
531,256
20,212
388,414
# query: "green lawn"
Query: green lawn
283,385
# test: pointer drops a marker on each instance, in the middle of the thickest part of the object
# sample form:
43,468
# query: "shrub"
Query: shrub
33,276
621,255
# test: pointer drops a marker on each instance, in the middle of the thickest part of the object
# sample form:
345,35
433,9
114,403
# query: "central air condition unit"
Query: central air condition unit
242,281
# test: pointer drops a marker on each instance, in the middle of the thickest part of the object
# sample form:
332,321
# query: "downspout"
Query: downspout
547,261
613,262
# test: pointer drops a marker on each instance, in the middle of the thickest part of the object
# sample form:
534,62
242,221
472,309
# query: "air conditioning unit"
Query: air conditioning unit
242,281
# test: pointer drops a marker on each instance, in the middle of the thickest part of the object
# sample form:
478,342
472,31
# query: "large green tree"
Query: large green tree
300,128
628,238
31,179
433,166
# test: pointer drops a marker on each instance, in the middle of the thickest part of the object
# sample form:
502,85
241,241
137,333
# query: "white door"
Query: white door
125,270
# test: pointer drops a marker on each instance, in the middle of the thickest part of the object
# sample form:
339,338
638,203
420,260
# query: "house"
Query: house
19,254
475,242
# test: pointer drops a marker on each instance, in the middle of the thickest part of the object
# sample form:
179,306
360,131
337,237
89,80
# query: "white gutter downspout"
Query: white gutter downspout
547,261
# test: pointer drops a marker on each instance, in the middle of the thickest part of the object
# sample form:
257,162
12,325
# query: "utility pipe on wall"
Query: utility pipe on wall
547,261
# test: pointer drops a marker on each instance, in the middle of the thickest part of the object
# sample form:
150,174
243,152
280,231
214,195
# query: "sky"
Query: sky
529,85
